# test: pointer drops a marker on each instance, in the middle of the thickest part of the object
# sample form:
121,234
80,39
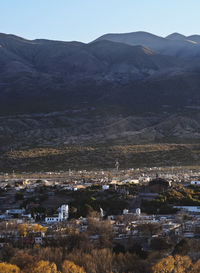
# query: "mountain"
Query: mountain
176,36
43,56
194,38
171,45
122,88
33,73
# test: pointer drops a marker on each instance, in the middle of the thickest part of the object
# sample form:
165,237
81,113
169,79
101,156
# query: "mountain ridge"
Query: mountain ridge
56,92
184,48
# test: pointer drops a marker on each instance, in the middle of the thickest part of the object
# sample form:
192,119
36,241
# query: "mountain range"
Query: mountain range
121,88
173,45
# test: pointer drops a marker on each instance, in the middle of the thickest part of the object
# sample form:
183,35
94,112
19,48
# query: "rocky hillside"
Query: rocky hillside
122,88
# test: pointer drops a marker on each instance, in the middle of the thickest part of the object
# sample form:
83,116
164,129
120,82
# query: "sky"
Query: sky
85,20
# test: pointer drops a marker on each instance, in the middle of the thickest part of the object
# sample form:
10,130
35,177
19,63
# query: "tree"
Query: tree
194,251
119,248
149,229
130,263
38,228
103,229
196,267
103,259
7,253
182,248
22,259
51,254
182,264
44,267
160,244
138,250
83,259
71,267
8,268
22,230
165,265
177,264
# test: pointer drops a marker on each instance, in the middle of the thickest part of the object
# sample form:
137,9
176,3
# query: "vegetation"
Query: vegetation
92,199
101,156
8,268
23,229
177,264
70,267
178,196
67,250
95,261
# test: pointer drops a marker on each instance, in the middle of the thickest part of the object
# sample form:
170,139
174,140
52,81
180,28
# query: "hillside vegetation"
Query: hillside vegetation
101,156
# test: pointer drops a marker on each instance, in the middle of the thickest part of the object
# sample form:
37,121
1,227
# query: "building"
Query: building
105,187
192,209
159,185
195,183
63,214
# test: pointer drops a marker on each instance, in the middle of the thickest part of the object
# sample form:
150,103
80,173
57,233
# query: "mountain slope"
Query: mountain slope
111,90
33,73
72,57
176,36
173,47
195,38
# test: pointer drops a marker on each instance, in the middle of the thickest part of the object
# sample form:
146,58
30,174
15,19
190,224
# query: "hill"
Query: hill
122,89
173,45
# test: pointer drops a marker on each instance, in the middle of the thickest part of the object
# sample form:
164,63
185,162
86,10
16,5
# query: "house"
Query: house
15,213
193,209
195,183
38,240
125,211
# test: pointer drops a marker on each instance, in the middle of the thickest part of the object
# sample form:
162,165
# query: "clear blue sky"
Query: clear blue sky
85,20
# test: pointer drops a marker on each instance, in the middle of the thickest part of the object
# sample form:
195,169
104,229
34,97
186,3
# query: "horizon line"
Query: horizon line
109,33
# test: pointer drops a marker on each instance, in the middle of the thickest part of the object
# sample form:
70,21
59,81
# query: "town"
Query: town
142,211
124,198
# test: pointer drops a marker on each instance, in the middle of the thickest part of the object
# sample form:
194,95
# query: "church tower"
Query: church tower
64,213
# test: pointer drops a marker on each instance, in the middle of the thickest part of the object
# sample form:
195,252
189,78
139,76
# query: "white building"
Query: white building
195,183
195,209
38,240
138,211
15,211
125,211
105,187
62,215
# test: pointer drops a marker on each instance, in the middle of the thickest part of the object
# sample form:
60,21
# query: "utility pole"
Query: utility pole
117,164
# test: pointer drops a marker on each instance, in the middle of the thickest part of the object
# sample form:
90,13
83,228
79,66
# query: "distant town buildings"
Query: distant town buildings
62,215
